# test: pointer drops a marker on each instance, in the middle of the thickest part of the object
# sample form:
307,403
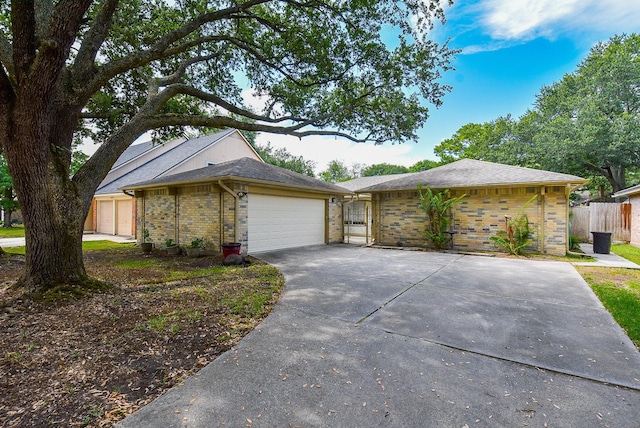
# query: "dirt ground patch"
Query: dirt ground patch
628,279
92,361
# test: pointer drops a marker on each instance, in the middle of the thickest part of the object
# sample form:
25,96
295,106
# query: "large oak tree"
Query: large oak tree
589,122
112,70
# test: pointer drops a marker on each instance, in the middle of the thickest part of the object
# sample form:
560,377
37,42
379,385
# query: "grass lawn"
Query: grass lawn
619,290
87,246
629,252
12,232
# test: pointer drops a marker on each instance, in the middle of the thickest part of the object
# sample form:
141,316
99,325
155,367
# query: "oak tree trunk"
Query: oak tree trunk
53,208
53,235
54,214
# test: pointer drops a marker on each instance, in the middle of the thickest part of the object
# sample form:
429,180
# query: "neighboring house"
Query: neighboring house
633,193
262,206
114,212
493,192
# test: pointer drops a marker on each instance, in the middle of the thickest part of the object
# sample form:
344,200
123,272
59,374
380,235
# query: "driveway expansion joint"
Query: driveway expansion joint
407,289
510,360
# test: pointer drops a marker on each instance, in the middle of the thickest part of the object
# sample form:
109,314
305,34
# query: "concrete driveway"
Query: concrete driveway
368,337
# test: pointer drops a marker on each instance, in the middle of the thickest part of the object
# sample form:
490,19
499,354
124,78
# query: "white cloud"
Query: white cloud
323,150
527,19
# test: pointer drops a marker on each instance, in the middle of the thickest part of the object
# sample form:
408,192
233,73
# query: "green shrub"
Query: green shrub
517,234
197,243
437,207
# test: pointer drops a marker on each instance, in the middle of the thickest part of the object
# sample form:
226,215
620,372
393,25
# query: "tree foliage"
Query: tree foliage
424,165
336,171
282,158
502,140
589,122
586,124
383,169
112,70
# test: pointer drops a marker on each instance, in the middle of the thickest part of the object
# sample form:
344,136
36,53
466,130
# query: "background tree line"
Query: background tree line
587,124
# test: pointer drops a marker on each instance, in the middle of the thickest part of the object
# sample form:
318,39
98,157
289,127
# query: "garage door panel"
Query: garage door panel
277,222
105,217
124,209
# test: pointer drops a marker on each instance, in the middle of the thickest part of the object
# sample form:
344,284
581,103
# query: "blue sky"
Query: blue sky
510,49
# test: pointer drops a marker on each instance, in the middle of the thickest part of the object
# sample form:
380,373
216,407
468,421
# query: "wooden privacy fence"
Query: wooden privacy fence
602,217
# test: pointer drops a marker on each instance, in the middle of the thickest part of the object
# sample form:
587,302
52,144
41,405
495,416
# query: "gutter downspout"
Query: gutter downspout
544,220
235,210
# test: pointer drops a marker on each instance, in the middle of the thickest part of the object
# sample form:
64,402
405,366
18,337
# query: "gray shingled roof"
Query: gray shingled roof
475,173
360,182
244,169
627,192
133,152
160,165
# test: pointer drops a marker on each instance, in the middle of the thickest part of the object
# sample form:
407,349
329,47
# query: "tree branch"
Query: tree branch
89,176
24,38
94,38
164,120
176,77
162,49
206,96
40,70
7,100
252,50
43,9
597,169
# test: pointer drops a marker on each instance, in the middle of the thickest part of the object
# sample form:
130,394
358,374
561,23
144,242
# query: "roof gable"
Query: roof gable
475,173
164,162
244,169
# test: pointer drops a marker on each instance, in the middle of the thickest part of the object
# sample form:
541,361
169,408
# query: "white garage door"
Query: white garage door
124,210
277,222
105,217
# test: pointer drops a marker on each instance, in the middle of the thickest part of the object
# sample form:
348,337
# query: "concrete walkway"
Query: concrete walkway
605,260
365,337
19,242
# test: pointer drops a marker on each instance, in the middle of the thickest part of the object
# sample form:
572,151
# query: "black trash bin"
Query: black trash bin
601,242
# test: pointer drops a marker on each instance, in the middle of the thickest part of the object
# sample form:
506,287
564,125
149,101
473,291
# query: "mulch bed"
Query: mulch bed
94,360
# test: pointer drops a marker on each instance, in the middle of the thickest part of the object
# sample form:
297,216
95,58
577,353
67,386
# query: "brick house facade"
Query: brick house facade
115,213
479,215
214,203
492,191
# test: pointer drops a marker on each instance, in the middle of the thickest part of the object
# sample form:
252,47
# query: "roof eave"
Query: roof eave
635,190
573,184
264,183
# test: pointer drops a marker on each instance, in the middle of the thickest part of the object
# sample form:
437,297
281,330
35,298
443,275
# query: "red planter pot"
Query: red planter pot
231,248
